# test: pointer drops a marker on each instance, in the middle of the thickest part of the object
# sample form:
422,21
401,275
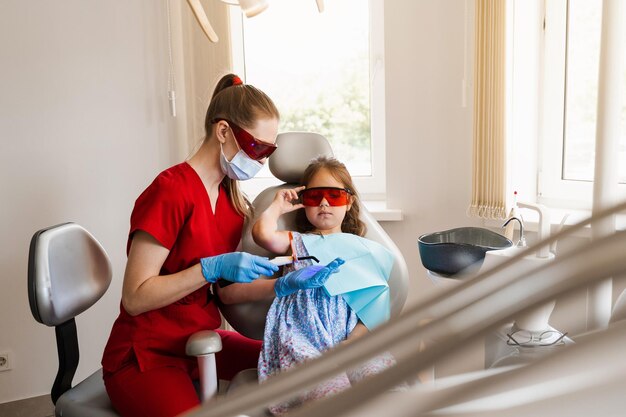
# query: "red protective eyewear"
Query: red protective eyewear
253,147
312,197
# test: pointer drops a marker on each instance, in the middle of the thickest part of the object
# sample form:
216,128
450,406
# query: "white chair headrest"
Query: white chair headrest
294,152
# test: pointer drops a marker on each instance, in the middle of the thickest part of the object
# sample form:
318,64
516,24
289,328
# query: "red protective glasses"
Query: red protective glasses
253,147
312,197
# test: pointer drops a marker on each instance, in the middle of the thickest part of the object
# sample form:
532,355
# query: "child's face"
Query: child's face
326,218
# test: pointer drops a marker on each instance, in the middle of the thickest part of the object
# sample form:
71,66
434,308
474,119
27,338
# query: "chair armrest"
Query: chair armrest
203,342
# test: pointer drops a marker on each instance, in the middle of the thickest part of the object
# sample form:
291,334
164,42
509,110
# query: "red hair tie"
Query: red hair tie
237,80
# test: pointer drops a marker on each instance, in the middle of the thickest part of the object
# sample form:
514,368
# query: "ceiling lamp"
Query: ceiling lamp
249,7
253,7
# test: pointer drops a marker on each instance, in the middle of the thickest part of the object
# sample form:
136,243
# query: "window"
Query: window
325,72
571,61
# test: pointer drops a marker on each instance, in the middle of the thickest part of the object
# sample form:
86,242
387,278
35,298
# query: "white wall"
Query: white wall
429,132
84,127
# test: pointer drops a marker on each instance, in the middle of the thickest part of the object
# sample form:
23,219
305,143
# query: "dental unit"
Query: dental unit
462,253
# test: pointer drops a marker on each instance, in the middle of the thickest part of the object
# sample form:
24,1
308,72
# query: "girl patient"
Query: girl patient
301,324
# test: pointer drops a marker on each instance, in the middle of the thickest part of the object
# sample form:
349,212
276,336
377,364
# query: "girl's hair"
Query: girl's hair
351,223
243,105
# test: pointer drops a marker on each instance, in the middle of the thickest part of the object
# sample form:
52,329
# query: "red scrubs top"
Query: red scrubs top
175,209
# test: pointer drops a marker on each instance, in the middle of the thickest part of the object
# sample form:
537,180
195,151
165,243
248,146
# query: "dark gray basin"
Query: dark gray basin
462,249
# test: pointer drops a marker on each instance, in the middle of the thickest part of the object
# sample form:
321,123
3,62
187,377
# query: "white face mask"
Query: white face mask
241,167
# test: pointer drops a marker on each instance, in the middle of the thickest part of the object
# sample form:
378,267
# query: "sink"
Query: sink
463,249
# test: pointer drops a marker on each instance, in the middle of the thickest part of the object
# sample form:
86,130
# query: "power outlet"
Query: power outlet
5,361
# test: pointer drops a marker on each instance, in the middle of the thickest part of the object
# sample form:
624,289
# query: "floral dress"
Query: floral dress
300,327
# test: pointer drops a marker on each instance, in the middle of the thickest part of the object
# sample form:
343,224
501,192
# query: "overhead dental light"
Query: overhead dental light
261,5
250,8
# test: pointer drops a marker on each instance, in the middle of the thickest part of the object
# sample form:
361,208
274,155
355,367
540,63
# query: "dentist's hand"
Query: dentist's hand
313,276
236,267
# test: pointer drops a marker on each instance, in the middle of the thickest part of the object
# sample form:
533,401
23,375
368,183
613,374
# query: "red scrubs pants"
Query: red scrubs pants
169,391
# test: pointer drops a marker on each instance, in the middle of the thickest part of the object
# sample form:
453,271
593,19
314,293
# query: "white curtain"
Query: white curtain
199,65
489,155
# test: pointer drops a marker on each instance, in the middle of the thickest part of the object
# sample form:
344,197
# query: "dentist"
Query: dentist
184,231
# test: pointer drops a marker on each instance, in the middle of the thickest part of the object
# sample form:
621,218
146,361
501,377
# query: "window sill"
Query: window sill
380,212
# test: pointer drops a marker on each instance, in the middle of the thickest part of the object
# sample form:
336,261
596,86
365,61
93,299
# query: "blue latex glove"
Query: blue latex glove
236,267
313,276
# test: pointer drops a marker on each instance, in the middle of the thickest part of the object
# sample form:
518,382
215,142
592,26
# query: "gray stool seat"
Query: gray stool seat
88,398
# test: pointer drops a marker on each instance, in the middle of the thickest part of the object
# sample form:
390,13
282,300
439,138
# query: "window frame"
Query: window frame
553,190
371,187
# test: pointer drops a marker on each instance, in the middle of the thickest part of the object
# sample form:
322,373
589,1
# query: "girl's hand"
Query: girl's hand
285,199
313,276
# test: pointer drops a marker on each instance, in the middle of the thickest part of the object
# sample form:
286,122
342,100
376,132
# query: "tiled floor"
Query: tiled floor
31,407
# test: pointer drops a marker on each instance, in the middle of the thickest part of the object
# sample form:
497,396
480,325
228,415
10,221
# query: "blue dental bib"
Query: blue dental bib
362,280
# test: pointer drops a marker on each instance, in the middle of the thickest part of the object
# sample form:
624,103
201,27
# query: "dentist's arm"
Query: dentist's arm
265,230
261,289
144,289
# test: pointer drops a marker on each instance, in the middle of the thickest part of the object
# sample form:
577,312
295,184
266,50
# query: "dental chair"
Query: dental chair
68,272
294,152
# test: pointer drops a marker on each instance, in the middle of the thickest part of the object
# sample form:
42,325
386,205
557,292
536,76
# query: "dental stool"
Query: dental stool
68,272
294,152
